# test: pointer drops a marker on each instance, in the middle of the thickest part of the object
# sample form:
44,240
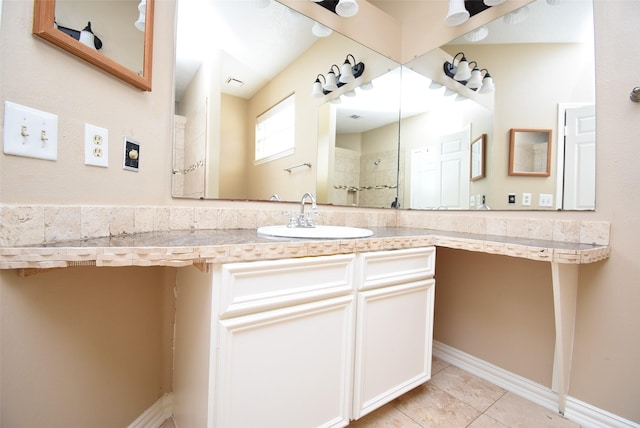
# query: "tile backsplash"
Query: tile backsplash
39,224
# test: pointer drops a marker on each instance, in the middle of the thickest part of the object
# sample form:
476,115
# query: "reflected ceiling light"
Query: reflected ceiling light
457,13
350,71
320,30
351,93
461,72
493,2
347,8
331,83
516,16
142,9
487,83
435,85
367,86
475,80
317,87
448,92
478,34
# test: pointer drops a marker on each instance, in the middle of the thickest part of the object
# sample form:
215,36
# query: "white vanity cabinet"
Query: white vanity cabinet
394,328
277,344
306,342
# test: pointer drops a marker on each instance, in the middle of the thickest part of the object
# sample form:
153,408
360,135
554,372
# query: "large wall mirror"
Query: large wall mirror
116,37
401,134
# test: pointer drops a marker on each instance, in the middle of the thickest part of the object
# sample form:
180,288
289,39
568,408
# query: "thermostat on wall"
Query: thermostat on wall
131,155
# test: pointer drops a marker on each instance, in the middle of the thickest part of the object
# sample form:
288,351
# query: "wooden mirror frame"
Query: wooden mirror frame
43,19
513,134
481,142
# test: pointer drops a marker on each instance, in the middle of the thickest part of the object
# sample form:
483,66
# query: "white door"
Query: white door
286,368
440,173
393,343
580,158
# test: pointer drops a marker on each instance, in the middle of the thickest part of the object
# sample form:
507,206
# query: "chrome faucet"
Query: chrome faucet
307,221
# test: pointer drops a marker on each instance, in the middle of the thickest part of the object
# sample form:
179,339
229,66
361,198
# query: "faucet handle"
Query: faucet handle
310,214
293,218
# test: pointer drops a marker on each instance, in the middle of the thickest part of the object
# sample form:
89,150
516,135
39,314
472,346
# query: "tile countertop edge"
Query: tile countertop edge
185,248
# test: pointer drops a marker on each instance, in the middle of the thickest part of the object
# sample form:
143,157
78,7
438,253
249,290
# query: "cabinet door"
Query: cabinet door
290,367
394,331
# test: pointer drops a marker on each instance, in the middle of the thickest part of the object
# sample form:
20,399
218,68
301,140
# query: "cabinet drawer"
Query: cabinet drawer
257,286
383,268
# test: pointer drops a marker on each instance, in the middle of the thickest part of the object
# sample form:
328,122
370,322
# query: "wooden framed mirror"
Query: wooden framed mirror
44,18
478,161
530,152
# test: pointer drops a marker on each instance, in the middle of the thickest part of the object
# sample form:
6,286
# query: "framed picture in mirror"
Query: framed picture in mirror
478,148
530,152
82,43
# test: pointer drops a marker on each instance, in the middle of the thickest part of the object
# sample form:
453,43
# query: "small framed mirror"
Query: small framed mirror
530,152
136,72
478,158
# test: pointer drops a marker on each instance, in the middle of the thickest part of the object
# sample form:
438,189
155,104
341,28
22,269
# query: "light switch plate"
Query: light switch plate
545,200
96,146
29,132
131,155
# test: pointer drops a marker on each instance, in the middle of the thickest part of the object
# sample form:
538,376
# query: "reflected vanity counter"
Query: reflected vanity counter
201,248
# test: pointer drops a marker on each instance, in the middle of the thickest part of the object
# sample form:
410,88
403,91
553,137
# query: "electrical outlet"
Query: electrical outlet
526,199
546,200
131,155
29,132
512,198
96,146
472,200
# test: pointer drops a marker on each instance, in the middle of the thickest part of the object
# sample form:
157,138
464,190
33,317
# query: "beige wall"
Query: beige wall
606,352
85,346
519,71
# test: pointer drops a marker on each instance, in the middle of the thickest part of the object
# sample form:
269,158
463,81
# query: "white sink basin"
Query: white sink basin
318,232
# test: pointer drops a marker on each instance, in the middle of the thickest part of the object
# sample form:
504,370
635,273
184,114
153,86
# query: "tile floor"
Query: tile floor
455,398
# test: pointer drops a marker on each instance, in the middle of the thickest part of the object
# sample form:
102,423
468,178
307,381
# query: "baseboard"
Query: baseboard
155,415
590,416
580,412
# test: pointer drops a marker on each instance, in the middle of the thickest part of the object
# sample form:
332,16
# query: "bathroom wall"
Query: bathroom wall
86,347
606,352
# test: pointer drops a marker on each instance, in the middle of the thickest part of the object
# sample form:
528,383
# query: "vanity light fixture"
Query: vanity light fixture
320,30
487,83
335,79
463,74
516,16
493,2
350,71
331,83
347,8
478,34
475,80
317,87
460,72
435,85
142,10
344,8
367,86
457,13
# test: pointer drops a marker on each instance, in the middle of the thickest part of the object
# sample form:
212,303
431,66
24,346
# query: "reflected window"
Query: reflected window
275,131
